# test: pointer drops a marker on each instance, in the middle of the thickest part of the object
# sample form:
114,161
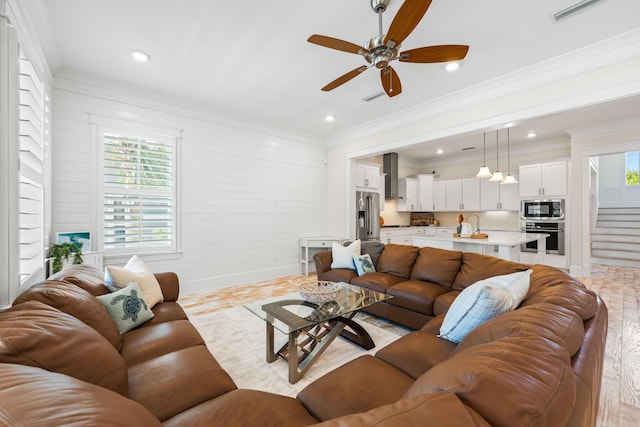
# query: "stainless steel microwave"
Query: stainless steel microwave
542,210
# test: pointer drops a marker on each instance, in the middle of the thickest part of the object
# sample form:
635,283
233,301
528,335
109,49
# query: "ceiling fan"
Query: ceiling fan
384,48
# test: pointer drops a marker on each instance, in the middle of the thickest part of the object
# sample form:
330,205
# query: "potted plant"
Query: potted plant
60,252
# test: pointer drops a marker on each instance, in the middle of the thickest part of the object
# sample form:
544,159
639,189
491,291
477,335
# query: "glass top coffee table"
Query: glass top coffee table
311,327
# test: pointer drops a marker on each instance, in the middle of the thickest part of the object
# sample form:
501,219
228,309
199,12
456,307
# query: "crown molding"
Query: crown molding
607,52
612,128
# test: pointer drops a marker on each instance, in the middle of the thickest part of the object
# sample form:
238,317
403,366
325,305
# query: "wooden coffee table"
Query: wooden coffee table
311,328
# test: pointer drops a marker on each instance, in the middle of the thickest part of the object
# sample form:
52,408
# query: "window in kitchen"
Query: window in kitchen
632,167
139,207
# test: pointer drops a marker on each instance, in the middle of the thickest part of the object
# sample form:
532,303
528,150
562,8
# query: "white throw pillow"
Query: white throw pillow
135,270
342,256
517,284
476,304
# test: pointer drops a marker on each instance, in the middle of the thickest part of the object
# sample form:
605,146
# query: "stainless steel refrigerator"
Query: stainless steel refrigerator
367,216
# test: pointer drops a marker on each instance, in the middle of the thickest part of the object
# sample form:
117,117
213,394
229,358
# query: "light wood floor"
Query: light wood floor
619,287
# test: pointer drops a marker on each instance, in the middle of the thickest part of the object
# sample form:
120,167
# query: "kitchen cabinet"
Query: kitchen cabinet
440,196
401,235
367,177
425,192
497,196
543,179
407,194
463,194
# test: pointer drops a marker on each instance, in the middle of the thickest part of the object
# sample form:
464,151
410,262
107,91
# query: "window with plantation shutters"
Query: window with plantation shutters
139,211
33,114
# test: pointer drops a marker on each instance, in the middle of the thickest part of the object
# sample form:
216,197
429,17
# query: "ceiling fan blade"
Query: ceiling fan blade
337,44
441,53
390,82
407,18
344,78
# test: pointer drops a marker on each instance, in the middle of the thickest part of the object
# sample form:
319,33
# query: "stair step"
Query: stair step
623,255
615,261
628,210
616,231
618,224
619,217
617,246
614,238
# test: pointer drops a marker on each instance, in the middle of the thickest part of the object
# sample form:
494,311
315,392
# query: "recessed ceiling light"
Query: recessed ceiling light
139,56
439,151
531,135
452,66
329,118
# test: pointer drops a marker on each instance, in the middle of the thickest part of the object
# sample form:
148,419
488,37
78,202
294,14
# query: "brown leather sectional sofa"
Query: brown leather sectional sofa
62,362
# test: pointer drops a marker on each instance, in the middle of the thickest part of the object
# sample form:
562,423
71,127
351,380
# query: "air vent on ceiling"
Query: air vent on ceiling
565,13
372,96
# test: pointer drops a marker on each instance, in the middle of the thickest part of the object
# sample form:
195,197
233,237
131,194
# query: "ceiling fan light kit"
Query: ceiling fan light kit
382,49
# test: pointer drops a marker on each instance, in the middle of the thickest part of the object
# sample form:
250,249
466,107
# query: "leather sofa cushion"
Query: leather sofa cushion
443,302
165,312
478,267
416,353
85,276
441,409
357,386
143,344
78,303
339,275
378,282
549,285
35,334
553,322
244,407
437,265
514,381
397,260
33,397
177,381
415,295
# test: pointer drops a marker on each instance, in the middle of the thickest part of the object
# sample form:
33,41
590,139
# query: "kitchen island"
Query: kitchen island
503,244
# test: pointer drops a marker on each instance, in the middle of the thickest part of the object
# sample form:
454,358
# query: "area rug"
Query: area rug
236,337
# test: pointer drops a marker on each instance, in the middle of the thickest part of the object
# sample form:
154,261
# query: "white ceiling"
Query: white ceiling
251,59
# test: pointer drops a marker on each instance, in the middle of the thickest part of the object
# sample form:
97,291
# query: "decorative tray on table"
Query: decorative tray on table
472,236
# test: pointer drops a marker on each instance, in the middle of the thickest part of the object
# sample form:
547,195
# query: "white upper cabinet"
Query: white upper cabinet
463,194
407,195
425,192
440,196
367,177
543,179
496,196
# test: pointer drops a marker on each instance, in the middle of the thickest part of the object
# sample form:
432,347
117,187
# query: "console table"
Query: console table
310,245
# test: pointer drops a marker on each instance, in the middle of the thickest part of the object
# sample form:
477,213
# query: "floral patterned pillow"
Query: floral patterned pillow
363,264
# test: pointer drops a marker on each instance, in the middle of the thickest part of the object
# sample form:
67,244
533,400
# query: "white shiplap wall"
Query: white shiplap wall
248,192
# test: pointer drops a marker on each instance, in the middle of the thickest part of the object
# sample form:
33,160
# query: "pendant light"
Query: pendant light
484,171
509,179
497,175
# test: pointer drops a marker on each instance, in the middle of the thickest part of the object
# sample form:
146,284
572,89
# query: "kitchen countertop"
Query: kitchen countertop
498,238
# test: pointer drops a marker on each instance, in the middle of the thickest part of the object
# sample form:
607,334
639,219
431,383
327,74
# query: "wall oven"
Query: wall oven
555,241
542,210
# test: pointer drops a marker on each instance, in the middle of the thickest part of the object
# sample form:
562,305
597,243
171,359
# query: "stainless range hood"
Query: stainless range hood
390,169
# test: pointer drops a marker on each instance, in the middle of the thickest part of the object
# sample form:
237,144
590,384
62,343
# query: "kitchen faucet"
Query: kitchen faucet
477,222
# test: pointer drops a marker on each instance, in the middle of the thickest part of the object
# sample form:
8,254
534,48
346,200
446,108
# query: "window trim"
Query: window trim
100,126
626,170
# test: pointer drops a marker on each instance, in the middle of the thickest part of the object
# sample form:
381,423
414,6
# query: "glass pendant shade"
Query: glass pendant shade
484,171
509,179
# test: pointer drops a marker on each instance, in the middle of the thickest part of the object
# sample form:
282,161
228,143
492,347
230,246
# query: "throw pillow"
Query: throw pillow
363,264
342,256
517,284
127,307
135,270
475,305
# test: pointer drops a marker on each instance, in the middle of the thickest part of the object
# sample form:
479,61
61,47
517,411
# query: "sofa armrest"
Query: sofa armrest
170,285
323,262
